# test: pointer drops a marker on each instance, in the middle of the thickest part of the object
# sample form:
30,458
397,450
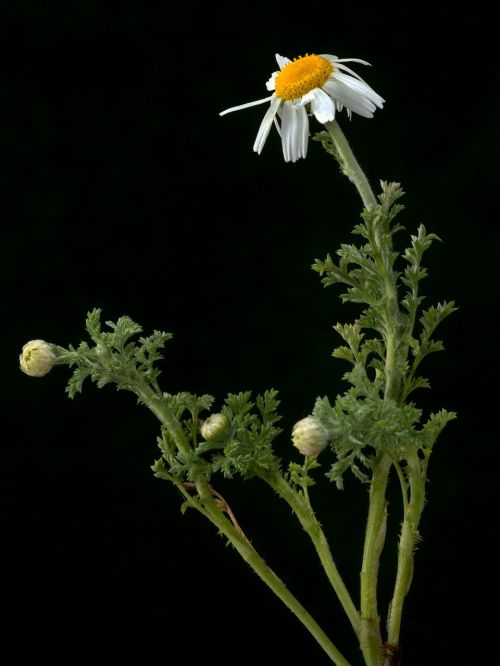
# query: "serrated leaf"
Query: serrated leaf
373,346
432,317
418,382
343,353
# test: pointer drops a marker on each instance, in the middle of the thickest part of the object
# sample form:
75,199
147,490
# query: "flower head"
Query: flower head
215,428
37,358
317,84
309,436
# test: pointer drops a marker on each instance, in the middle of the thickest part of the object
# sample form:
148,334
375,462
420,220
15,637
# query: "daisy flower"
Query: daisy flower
317,84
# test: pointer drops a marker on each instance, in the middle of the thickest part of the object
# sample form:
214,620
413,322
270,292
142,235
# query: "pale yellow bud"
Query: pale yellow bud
309,436
37,358
215,428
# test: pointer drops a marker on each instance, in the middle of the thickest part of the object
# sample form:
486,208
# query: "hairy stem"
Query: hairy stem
313,528
266,574
350,165
406,548
370,638
162,411
369,635
210,510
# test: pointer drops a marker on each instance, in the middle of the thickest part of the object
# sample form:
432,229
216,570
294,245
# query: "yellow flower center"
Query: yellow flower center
302,75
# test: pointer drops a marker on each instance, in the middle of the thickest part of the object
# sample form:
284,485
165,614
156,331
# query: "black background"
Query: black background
122,188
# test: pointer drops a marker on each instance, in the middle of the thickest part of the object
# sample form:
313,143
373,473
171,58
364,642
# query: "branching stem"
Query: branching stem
212,509
253,559
311,525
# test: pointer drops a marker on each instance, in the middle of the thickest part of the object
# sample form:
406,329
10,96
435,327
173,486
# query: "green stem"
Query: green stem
350,165
402,483
391,317
162,411
369,636
370,639
392,378
406,549
311,525
210,510
266,574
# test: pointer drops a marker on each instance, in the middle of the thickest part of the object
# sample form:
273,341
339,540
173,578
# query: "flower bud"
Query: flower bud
215,428
37,358
309,436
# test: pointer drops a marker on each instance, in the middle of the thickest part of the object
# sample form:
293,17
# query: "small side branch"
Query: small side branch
222,505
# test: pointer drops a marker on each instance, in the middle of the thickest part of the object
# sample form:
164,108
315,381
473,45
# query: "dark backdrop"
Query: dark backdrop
122,188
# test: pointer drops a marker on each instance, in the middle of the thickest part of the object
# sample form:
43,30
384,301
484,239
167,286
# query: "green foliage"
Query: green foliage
193,405
381,346
248,446
245,449
188,465
371,427
362,426
425,345
188,402
372,416
113,358
433,427
414,272
299,474
366,269
186,408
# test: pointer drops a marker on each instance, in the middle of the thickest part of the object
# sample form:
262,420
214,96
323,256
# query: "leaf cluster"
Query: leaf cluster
246,448
366,269
117,356
185,464
381,345
362,426
253,429
300,474
114,357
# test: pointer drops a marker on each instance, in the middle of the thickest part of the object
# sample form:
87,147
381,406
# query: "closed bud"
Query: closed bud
215,428
37,358
309,436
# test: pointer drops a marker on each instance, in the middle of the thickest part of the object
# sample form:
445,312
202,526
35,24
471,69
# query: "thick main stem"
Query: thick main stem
370,638
406,549
350,165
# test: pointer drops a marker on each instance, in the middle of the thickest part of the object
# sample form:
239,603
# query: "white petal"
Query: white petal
277,125
305,99
271,84
363,62
266,124
287,129
245,106
337,62
329,57
282,61
347,69
349,98
303,137
322,106
361,87
294,132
